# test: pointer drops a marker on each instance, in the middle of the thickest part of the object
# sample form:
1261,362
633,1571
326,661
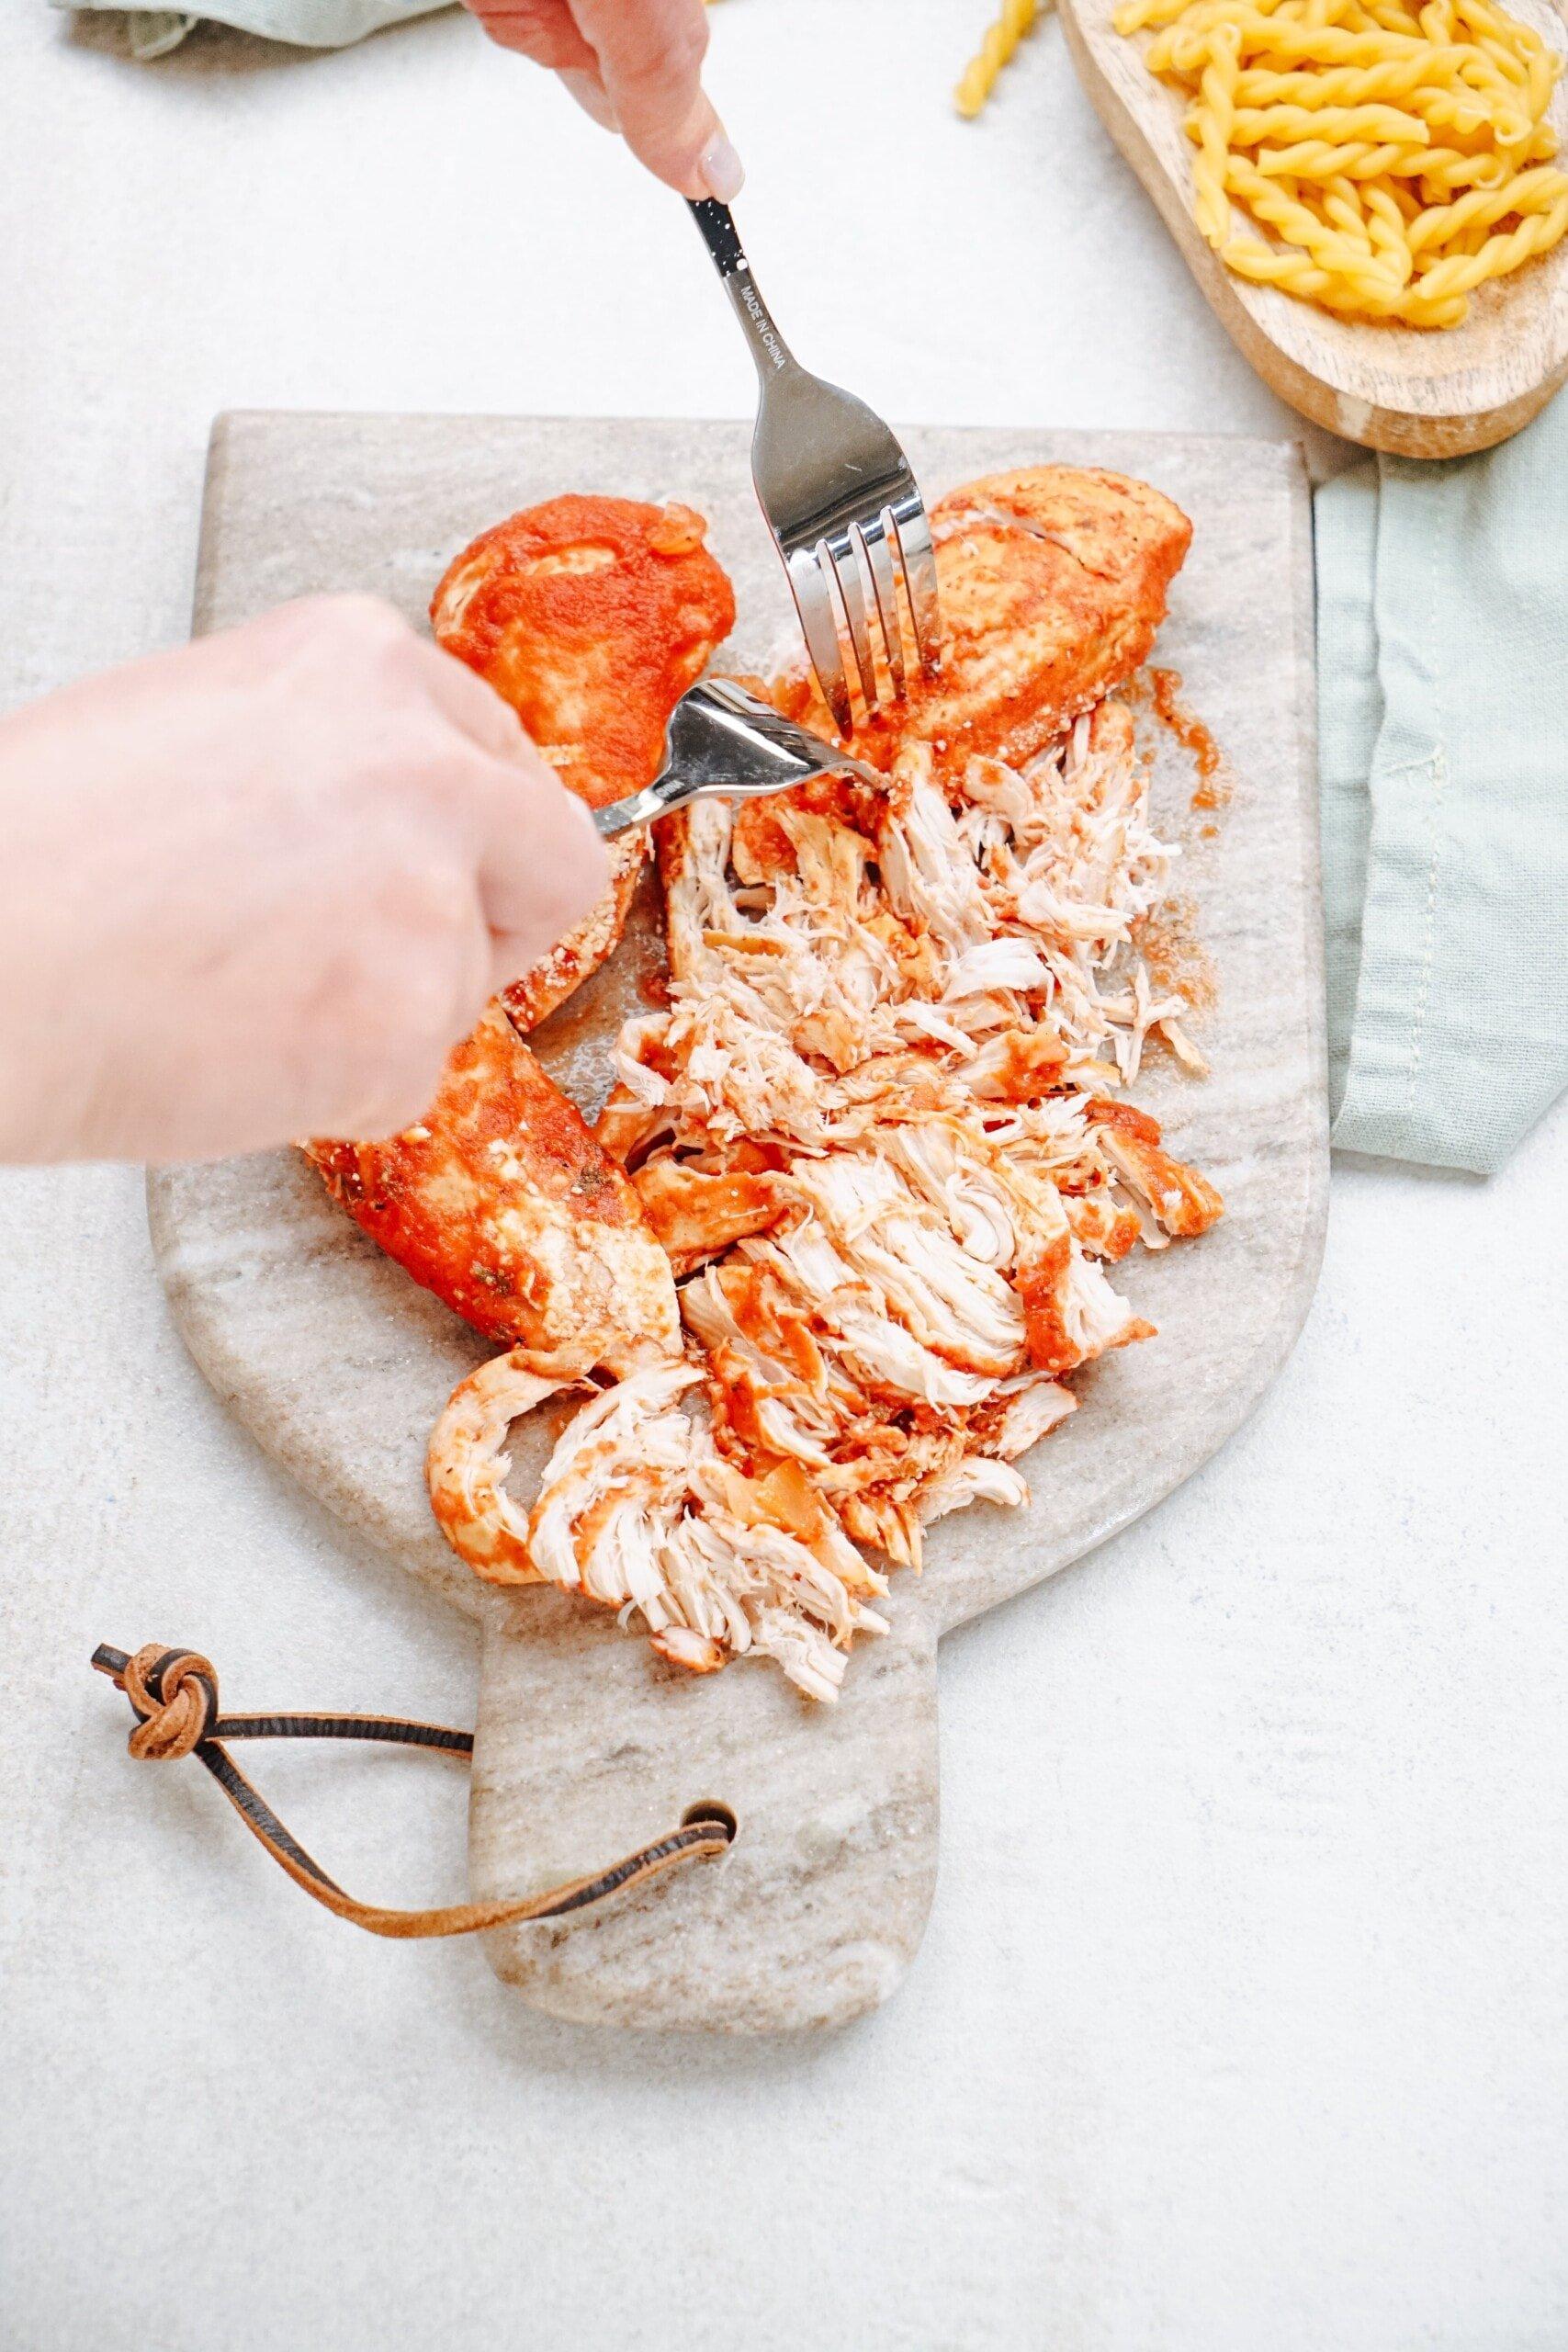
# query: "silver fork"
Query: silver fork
841,502
723,741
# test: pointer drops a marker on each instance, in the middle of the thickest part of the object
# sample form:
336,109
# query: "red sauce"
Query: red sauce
1126,1116
1193,737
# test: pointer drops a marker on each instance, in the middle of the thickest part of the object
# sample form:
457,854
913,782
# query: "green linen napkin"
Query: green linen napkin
1443,651
308,24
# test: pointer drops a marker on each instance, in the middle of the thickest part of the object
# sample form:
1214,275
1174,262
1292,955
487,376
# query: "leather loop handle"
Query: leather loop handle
173,1696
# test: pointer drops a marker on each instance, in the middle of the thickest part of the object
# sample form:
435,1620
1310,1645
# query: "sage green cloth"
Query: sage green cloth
308,24
1442,654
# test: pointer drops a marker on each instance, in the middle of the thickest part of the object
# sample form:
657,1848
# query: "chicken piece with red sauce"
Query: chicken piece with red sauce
590,618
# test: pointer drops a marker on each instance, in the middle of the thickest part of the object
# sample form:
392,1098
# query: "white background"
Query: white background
1240,2024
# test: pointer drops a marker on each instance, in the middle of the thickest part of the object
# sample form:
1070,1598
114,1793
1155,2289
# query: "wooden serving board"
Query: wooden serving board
1418,392
339,1364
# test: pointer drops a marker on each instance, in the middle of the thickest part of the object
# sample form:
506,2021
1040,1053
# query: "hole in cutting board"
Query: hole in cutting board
708,1809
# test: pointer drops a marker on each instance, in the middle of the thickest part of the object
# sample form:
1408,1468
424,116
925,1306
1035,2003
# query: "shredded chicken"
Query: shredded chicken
868,1131
640,1512
874,1132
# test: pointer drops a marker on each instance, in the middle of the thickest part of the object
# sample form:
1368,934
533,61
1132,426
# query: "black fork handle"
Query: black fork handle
767,348
720,235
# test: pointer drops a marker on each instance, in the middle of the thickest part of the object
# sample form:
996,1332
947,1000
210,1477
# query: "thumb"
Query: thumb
543,868
650,60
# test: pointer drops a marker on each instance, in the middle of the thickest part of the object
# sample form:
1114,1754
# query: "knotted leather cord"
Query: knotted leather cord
174,1695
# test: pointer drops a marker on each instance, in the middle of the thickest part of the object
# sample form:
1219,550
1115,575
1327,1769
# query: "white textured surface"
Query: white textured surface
1242,2019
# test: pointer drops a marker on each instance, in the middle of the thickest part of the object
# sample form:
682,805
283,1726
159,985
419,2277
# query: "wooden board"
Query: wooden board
340,1365
1420,393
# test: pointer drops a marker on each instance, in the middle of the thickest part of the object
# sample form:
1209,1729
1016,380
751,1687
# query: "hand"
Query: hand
257,888
636,66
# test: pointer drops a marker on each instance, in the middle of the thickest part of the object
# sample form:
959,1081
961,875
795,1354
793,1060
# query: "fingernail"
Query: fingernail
720,167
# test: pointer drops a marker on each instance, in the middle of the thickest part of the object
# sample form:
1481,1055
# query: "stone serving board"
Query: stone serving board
339,1364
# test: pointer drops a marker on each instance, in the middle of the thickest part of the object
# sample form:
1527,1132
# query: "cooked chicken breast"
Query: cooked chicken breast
1053,583
500,1201
590,616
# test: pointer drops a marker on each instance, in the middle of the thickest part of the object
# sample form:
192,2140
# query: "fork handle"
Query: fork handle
719,232
722,238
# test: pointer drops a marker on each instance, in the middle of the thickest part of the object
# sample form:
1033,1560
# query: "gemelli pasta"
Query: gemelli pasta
1014,20
1400,155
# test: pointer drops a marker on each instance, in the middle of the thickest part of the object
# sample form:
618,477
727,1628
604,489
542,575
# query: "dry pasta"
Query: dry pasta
1397,151
1014,18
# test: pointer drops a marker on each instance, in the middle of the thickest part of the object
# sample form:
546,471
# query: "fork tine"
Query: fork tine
913,533
809,581
851,592
873,538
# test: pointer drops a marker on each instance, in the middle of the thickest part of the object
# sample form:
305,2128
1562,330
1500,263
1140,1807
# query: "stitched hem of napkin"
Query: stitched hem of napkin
1349,720
1384,1108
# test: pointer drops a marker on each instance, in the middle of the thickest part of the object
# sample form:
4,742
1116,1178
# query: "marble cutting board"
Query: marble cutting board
338,1363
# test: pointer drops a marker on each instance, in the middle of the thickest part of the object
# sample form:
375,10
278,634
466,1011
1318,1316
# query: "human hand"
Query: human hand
636,66
256,889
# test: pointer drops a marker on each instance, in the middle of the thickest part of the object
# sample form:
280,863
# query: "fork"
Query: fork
723,742
841,502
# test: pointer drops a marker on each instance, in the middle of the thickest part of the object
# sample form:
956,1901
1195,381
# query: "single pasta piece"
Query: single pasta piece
1396,157
1014,18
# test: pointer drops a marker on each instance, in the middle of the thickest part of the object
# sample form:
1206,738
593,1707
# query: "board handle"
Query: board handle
815,1913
